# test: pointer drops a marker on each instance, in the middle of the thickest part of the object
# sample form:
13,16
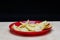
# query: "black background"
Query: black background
33,10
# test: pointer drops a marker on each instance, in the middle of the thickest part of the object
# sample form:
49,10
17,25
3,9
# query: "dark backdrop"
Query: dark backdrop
16,10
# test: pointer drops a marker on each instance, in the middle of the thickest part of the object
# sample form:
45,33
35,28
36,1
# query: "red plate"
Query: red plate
28,33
